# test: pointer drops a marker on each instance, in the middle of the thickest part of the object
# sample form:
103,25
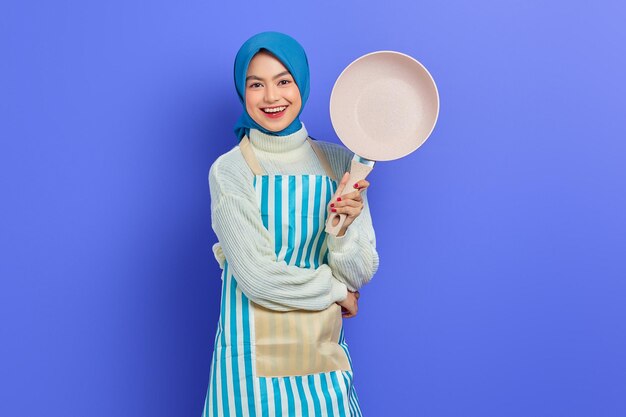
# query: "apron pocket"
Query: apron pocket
298,342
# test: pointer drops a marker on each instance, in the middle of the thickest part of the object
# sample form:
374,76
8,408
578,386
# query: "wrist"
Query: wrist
340,242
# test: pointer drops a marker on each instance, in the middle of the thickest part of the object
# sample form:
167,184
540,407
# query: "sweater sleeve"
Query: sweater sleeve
249,251
353,257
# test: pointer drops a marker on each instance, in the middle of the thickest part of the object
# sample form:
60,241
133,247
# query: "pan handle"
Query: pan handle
358,171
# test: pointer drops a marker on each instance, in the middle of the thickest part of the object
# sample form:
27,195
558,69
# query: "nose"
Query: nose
271,94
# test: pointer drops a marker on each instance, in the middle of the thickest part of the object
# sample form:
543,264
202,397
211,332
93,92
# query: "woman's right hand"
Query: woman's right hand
350,306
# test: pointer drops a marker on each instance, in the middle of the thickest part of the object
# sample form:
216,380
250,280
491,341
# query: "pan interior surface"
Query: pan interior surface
384,106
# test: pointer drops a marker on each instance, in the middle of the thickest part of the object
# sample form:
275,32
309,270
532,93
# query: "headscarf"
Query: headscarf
291,54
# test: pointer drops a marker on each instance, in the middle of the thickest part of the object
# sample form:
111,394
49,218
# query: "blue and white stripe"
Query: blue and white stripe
293,209
302,200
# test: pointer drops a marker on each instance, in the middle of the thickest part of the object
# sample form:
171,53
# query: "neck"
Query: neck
278,144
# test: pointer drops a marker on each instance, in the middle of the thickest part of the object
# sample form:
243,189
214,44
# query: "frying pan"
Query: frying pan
383,106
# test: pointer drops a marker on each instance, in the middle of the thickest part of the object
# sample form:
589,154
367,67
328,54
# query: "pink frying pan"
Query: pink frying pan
384,106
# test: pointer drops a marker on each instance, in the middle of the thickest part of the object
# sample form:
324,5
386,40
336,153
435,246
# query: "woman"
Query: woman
279,348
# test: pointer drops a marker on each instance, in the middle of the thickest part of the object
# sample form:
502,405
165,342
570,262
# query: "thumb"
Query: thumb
342,185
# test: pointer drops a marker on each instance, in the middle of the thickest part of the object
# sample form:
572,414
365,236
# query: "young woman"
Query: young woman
280,348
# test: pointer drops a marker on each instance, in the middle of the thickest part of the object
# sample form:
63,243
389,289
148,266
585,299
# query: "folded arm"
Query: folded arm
249,251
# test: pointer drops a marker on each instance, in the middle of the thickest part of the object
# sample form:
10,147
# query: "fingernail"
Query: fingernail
356,185
332,204
338,198
333,210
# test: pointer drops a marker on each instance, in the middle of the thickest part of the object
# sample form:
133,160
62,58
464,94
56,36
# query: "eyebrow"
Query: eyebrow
254,77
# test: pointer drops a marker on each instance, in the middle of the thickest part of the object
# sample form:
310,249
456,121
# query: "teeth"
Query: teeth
275,109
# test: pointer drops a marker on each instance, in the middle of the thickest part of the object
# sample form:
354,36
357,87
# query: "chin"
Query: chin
276,127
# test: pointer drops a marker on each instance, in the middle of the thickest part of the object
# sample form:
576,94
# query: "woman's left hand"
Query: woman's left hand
350,204
350,306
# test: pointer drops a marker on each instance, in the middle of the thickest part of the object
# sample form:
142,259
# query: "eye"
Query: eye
254,85
284,82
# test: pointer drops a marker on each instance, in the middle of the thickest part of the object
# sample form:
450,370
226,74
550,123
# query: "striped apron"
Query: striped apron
296,363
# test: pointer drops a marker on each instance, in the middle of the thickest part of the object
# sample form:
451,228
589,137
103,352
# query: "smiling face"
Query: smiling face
272,96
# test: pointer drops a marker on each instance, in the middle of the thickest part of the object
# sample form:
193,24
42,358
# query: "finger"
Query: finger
342,185
349,314
341,202
347,203
349,211
337,201
361,185
354,195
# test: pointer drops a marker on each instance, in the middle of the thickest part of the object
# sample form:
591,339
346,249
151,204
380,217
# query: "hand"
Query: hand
350,306
350,204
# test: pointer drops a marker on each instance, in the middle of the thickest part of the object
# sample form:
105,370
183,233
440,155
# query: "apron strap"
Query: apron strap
248,154
322,157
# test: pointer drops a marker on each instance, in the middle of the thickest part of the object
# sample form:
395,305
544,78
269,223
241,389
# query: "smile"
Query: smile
274,112
274,109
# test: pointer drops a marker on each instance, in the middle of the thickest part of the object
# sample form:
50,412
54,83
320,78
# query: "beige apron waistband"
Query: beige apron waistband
248,154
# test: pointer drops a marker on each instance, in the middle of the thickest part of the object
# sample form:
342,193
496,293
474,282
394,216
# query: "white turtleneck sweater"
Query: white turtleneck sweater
248,246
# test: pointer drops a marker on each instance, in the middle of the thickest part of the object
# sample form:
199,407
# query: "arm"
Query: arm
353,257
249,250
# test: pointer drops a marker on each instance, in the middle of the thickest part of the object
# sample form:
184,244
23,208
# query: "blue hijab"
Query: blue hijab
291,54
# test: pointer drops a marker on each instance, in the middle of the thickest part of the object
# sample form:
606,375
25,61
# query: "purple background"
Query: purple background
502,285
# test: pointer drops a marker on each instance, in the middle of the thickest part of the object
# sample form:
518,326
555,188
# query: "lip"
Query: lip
276,115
